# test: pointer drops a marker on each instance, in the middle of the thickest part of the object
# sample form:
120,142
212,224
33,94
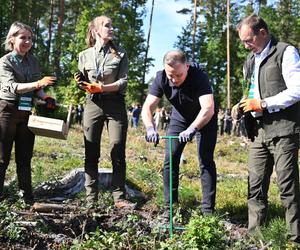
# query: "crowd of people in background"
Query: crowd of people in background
227,123
161,116
230,125
134,112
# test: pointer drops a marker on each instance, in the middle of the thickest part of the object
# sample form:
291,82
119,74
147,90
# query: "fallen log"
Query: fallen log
52,207
26,223
35,214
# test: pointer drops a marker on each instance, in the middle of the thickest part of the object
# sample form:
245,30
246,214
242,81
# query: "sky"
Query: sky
166,26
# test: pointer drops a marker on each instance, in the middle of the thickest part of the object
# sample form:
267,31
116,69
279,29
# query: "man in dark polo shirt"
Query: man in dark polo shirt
188,89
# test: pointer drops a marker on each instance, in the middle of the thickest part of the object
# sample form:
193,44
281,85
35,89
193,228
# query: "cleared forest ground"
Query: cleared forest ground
106,227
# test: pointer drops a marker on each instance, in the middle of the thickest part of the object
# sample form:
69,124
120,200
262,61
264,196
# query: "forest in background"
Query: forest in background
60,28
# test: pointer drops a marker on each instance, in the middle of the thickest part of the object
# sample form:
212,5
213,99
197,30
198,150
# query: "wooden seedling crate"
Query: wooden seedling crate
50,127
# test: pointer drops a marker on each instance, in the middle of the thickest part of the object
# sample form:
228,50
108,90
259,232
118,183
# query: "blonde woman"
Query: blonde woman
20,80
103,69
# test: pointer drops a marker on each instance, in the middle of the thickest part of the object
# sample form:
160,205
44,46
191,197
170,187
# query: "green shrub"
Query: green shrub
9,231
59,112
272,234
100,240
204,232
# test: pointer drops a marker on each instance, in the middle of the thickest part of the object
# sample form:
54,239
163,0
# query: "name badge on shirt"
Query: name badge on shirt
25,103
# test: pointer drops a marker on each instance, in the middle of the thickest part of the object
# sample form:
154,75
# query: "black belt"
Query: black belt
99,96
10,101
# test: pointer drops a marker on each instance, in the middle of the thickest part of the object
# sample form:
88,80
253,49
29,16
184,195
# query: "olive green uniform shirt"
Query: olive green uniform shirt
99,63
15,70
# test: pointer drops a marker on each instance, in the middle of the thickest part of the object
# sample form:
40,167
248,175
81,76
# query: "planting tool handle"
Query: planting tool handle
170,138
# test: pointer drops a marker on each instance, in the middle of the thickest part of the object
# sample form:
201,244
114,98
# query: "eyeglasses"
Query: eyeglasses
249,41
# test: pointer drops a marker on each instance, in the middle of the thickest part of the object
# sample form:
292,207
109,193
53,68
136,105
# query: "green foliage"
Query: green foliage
53,157
272,234
9,230
142,173
286,27
204,232
128,236
100,240
189,192
59,112
234,204
210,45
232,151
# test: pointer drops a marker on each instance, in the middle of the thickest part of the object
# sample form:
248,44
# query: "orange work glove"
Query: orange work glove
251,105
91,88
50,102
46,81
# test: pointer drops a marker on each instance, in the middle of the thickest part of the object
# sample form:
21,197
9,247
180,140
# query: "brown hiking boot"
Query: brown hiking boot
121,203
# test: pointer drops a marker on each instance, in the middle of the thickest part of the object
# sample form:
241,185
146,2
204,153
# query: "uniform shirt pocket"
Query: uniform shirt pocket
90,69
113,63
111,68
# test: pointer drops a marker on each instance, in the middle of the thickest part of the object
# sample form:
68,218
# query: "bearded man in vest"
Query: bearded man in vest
272,109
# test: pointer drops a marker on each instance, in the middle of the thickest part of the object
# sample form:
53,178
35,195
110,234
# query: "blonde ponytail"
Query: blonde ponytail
91,36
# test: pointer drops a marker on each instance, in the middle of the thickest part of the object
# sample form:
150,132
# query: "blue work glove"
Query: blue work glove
187,135
152,136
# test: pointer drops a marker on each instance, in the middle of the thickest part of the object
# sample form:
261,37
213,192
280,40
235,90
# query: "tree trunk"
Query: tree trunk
228,56
50,32
148,42
58,40
194,30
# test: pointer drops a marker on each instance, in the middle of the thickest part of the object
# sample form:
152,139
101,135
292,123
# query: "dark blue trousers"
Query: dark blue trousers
206,140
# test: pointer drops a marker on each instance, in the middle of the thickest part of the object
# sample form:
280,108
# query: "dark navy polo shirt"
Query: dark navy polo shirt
185,98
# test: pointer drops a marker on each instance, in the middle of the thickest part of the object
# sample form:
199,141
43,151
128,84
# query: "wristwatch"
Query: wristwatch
263,104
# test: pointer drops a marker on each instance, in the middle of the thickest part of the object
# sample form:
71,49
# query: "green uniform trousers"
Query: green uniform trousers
107,110
282,153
